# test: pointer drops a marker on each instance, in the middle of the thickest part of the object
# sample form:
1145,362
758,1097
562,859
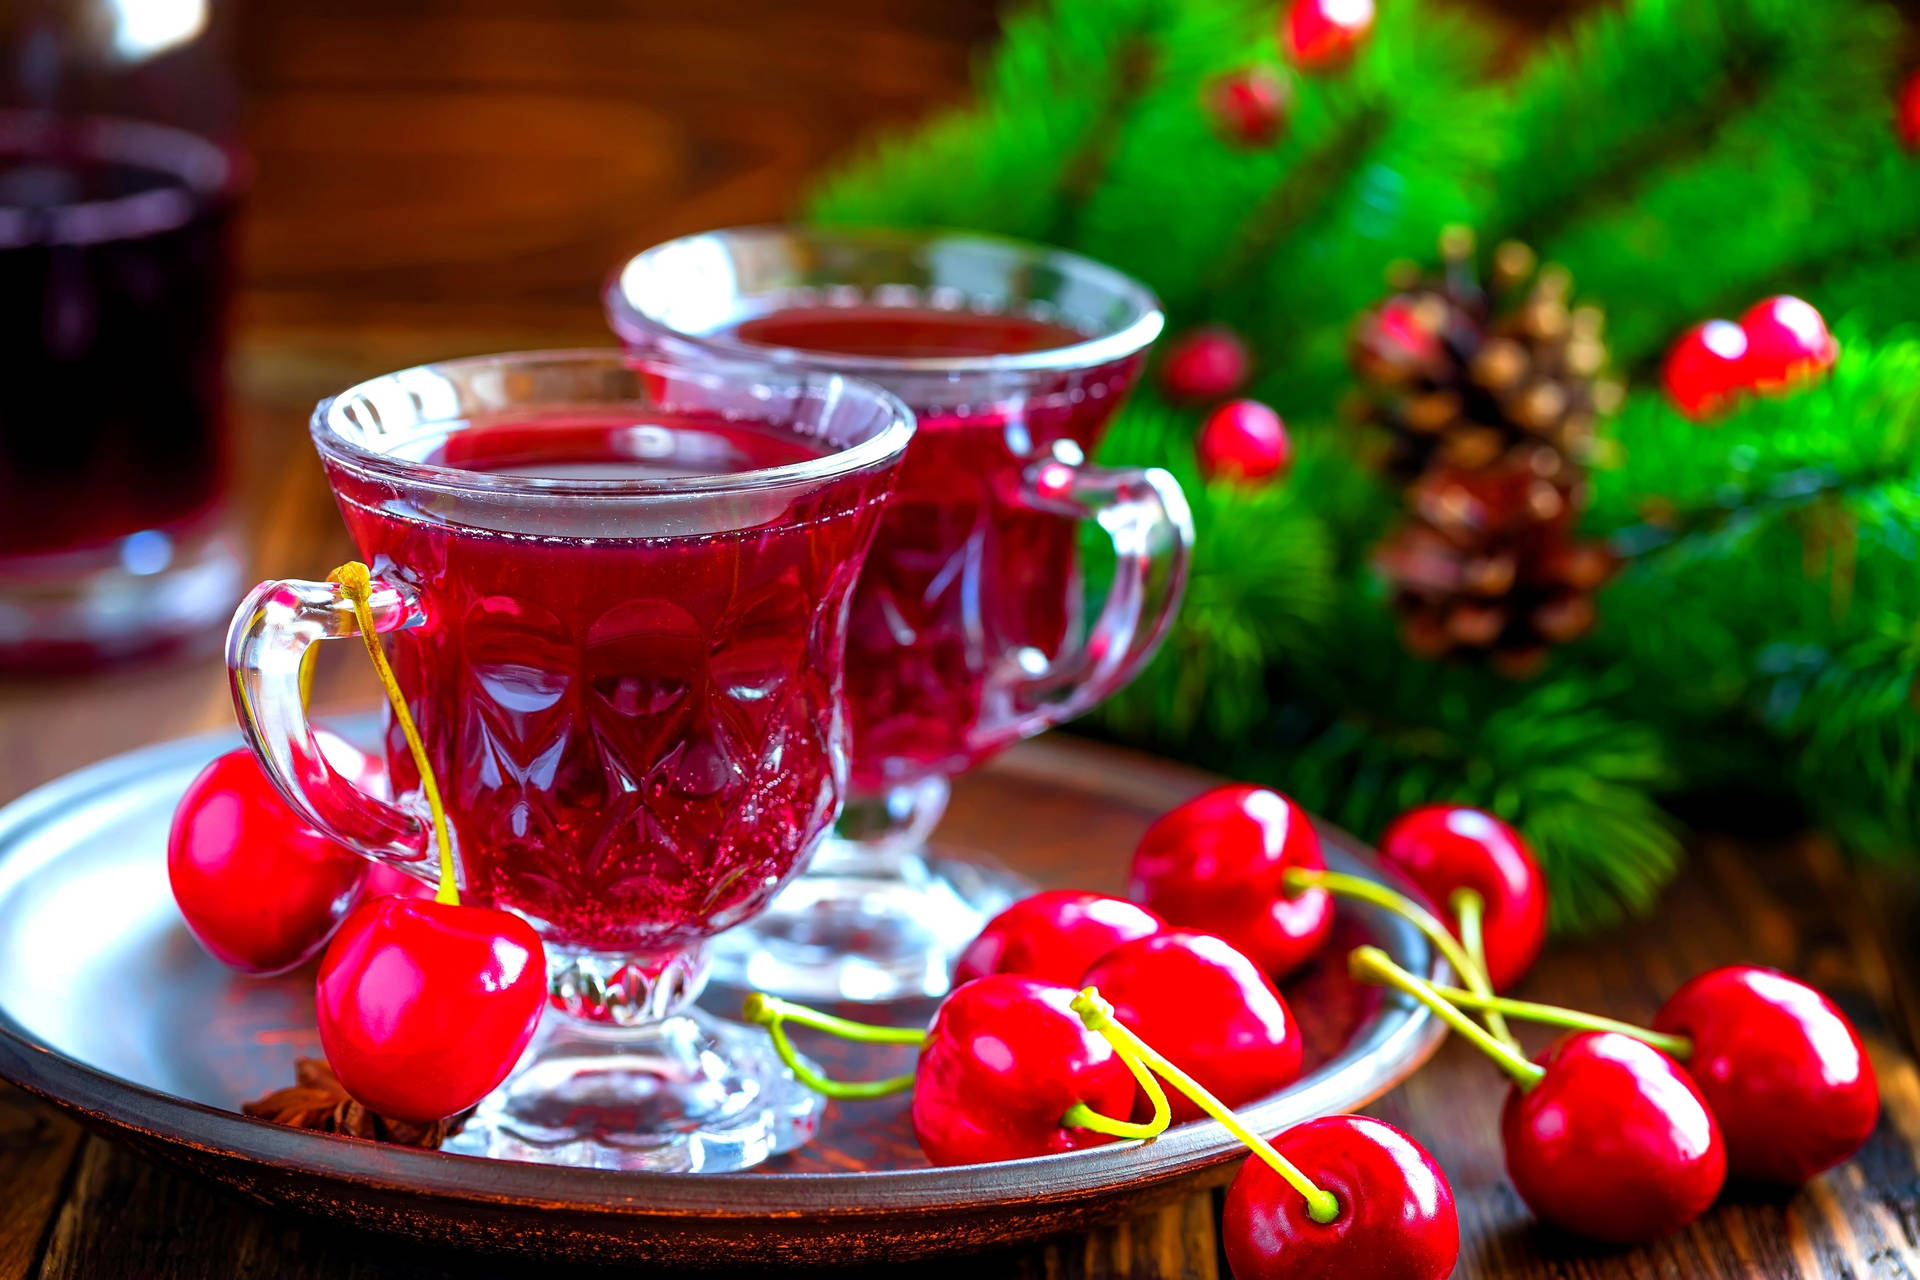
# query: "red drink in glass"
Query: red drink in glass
615,596
967,632
115,240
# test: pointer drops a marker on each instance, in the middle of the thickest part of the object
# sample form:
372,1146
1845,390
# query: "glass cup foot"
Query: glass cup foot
689,1093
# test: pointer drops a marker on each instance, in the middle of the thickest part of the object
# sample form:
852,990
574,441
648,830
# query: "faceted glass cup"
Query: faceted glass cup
966,632
614,594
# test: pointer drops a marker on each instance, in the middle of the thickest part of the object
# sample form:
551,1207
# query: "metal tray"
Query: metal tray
110,1009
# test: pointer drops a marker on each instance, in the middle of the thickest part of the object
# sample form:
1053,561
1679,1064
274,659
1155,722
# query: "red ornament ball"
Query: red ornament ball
1251,106
1909,112
1243,441
1706,368
1320,34
1206,364
1787,344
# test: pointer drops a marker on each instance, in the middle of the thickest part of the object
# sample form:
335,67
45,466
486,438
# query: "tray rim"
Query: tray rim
1346,1082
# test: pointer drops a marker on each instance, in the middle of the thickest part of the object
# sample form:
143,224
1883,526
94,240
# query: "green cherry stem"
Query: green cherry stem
1372,965
1554,1015
1298,880
1097,1014
356,584
773,1013
1470,909
1322,1206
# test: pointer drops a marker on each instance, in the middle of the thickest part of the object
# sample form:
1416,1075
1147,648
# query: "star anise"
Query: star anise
316,1101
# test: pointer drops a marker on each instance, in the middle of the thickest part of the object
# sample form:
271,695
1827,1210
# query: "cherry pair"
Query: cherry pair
1780,343
424,1005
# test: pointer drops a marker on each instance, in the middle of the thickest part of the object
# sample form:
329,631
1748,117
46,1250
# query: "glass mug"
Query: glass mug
966,632
614,594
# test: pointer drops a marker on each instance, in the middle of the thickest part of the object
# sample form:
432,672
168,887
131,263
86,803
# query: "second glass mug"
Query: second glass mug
966,633
614,594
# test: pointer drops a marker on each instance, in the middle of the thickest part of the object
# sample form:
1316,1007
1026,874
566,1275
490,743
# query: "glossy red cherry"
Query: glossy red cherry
1208,1009
259,888
1319,34
1787,344
1207,364
1614,1142
1706,368
1244,441
424,1007
1215,863
1251,109
1054,936
1781,1068
1006,1058
1908,120
1444,848
1397,1219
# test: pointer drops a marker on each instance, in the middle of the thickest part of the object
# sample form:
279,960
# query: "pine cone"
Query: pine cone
317,1101
1463,372
1486,564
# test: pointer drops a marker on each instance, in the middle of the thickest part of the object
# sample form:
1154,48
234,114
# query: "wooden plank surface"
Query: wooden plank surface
437,178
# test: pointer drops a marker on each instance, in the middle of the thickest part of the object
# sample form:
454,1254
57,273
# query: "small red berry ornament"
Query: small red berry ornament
1054,936
1908,122
1605,1135
1787,344
425,1006
1006,1063
1448,848
1206,364
1706,368
1218,863
1243,441
1321,34
1396,1220
260,889
1250,106
1782,1069
1208,1009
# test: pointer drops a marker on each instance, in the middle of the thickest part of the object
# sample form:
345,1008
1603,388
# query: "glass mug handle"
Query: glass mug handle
270,635
1145,514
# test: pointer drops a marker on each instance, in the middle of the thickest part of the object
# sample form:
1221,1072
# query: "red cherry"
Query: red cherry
1444,848
1787,344
1320,34
1782,1069
1614,1143
1054,936
424,1007
1251,107
1396,1222
1006,1058
1909,113
259,888
1216,862
1244,441
384,880
1205,364
1208,1009
1706,368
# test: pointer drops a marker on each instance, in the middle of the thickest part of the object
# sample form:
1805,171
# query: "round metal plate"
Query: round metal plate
110,1009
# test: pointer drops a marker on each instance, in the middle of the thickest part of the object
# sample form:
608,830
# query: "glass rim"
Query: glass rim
883,447
1145,321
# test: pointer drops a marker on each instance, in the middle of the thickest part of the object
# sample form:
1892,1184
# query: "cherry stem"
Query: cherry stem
356,584
1097,1014
1372,965
1297,880
1322,1206
773,1013
1469,908
1554,1015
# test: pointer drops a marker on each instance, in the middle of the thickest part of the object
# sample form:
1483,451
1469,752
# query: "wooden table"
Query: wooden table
437,179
